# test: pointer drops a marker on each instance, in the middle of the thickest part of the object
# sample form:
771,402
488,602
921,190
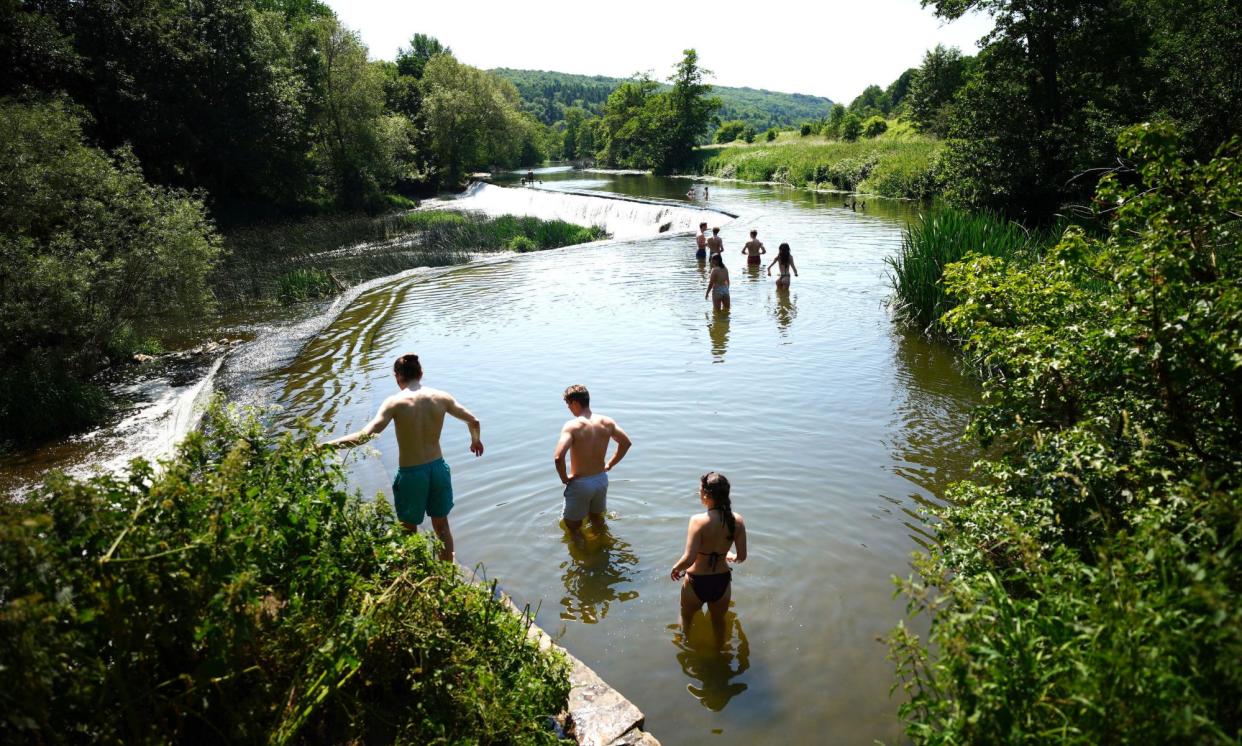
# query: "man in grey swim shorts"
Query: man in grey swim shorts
585,438
422,486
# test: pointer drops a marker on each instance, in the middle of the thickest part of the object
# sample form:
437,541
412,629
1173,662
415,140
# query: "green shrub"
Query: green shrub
730,130
771,135
748,134
304,284
87,248
522,244
940,237
892,168
1083,587
851,127
240,594
805,129
40,399
874,127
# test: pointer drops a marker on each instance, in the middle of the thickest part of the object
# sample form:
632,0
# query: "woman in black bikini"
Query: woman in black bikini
708,539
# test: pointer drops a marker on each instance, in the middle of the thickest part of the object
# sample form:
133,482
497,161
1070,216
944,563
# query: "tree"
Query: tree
635,125
874,127
899,89
836,117
770,135
730,130
574,117
870,102
937,81
413,61
690,110
88,251
851,127
472,118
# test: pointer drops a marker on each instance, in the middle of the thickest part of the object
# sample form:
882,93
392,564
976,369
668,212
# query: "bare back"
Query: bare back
712,536
588,446
418,418
715,244
754,247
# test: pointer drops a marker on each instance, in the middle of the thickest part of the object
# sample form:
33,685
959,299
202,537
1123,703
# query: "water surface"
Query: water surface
832,426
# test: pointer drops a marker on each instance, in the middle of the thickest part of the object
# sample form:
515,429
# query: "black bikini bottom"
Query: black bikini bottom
710,588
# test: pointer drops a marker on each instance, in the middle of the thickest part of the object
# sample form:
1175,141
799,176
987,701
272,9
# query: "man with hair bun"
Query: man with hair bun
423,485
585,438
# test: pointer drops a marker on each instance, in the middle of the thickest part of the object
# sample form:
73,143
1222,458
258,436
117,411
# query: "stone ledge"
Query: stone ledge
596,713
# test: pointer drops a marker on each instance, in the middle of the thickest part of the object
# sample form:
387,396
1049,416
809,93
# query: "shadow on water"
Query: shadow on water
594,576
716,670
718,332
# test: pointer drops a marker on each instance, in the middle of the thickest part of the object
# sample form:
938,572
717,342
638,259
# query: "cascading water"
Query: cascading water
622,217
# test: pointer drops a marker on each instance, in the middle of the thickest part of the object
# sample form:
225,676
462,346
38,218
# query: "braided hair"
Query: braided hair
717,488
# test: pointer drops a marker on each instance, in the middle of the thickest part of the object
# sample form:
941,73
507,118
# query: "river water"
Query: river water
832,425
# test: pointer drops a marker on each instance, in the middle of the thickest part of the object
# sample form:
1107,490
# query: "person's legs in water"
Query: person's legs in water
690,605
717,609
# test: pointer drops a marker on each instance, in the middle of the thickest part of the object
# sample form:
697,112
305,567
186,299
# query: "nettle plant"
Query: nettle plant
1085,583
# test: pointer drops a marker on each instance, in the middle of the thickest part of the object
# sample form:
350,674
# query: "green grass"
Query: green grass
473,232
899,163
304,283
241,594
944,235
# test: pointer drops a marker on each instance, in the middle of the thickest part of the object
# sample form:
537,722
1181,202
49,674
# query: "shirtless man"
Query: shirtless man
422,485
701,240
585,438
714,244
753,250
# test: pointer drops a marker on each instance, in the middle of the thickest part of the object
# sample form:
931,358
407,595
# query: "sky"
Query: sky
832,48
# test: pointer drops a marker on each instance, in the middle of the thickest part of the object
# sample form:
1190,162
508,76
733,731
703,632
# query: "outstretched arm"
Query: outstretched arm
373,428
472,422
687,557
558,455
623,445
773,264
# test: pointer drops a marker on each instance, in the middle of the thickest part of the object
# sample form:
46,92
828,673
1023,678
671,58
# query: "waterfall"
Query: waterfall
622,217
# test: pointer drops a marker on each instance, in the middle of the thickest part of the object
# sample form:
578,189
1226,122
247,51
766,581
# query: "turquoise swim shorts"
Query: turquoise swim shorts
426,489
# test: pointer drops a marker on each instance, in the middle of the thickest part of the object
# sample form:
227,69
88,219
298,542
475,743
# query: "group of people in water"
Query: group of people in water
422,486
711,249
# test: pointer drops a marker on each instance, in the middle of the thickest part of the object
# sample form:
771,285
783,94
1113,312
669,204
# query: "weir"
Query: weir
622,217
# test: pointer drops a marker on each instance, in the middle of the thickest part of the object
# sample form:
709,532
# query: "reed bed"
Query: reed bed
945,235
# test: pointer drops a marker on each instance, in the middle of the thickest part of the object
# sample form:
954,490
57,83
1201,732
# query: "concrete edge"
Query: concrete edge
596,714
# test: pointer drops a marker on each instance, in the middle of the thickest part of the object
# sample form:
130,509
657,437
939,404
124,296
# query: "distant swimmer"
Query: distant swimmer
753,250
706,194
701,240
718,284
704,564
714,244
585,438
786,261
422,485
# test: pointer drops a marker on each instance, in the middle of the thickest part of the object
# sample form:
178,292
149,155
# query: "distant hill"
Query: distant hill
546,95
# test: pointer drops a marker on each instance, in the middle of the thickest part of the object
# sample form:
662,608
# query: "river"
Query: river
833,426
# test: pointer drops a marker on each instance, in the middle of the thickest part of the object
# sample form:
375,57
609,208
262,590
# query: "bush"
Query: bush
771,135
805,129
730,130
40,399
522,244
240,594
1084,587
304,284
86,247
874,127
851,127
940,237
748,134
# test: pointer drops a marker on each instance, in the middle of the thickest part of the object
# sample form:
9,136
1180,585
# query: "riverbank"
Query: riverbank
242,589
897,164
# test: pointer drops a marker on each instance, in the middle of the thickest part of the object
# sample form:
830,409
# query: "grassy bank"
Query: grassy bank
242,595
942,236
1083,585
314,258
896,164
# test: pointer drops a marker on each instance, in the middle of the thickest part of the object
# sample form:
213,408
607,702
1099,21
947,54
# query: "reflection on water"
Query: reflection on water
718,331
716,670
594,576
785,310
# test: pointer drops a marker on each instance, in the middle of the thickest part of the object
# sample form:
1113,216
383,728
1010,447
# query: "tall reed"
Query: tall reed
940,237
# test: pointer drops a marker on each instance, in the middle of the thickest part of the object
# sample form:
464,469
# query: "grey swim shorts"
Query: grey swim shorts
585,495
